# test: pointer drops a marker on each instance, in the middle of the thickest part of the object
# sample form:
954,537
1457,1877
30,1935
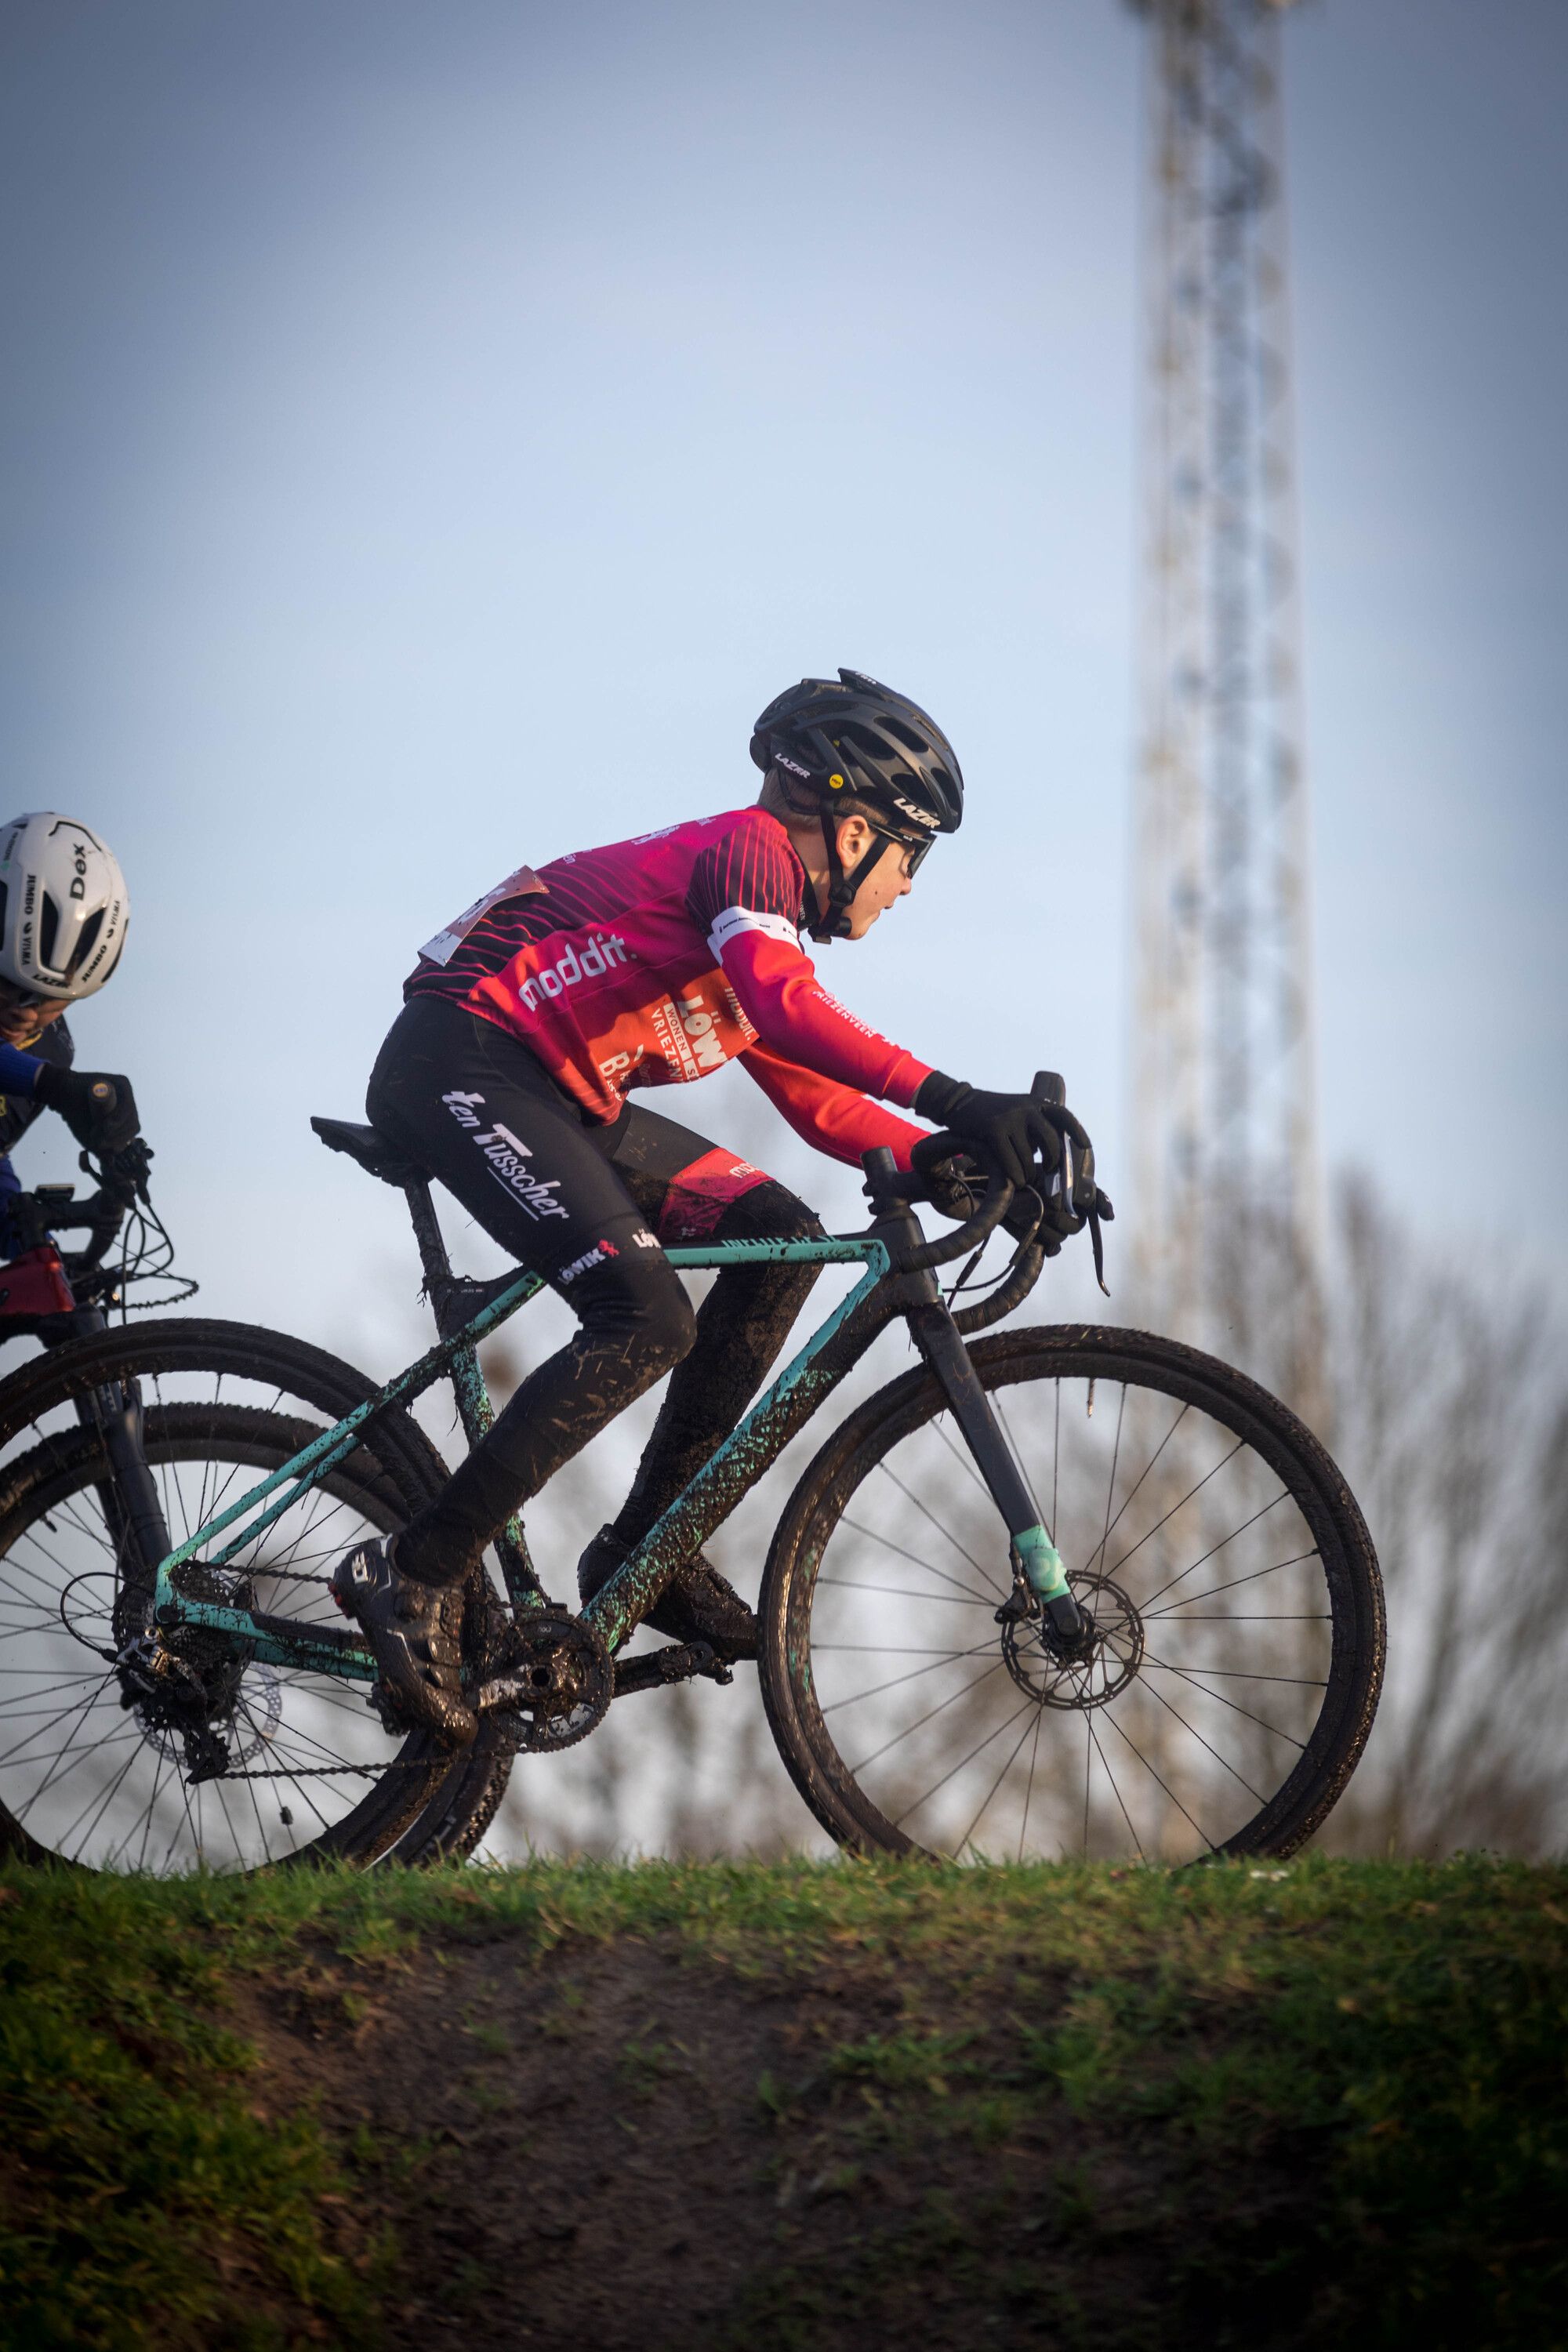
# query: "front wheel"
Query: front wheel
1238,1621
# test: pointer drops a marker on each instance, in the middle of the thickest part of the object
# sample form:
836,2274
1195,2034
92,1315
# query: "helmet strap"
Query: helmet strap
834,920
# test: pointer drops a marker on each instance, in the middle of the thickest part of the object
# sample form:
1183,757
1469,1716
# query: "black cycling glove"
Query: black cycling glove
1008,1132
953,1182
99,1109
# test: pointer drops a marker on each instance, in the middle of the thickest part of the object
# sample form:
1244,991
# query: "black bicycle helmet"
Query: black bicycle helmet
861,741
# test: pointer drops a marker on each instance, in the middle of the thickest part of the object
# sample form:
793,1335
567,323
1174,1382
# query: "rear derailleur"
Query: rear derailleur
182,1681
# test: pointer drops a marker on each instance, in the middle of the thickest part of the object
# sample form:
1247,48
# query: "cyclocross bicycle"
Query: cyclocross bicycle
1061,1590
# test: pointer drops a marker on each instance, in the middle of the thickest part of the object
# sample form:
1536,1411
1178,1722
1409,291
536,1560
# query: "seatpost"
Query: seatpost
433,1257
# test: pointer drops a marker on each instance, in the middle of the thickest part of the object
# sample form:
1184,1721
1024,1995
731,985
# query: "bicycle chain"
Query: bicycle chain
330,1771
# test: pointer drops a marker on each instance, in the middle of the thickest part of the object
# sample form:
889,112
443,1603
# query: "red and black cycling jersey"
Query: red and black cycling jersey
653,961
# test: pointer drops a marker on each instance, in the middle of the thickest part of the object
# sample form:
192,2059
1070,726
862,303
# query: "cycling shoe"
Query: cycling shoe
701,1605
415,1631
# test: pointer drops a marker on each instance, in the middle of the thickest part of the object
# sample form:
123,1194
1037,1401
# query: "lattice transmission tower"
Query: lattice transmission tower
1224,1131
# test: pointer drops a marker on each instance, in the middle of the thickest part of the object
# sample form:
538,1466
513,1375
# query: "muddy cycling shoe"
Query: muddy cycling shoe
415,1631
701,1605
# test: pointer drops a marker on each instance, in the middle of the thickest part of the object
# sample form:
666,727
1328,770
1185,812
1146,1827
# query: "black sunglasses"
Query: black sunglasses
914,850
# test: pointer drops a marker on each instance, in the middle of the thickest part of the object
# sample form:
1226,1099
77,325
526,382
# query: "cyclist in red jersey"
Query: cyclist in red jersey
534,1028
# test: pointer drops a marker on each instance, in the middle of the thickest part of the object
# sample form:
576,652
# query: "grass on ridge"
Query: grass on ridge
1410,2021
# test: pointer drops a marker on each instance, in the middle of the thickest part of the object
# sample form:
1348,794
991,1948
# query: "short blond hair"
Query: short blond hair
798,804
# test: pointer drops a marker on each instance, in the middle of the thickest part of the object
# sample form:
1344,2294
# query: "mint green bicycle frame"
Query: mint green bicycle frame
621,1603
739,1461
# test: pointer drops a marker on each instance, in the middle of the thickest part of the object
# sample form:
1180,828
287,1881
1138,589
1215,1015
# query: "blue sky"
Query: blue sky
427,436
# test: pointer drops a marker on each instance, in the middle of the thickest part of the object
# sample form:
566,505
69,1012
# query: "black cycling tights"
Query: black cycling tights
587,1207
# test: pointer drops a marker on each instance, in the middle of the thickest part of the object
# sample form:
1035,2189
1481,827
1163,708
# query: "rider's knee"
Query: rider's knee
768,1212
637,1306
671,1328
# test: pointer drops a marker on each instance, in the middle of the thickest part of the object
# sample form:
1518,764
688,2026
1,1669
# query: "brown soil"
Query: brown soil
620,2146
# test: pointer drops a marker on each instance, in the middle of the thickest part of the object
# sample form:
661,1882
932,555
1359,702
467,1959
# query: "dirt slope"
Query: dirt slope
714,2106
624,2148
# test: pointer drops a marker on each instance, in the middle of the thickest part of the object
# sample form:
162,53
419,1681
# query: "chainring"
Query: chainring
548,1683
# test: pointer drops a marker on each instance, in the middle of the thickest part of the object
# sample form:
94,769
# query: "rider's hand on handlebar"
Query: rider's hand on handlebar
100,1109
951,1179
27,1223
956,1184
1007,1133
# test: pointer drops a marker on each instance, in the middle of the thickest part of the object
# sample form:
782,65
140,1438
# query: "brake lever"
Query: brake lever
122,1175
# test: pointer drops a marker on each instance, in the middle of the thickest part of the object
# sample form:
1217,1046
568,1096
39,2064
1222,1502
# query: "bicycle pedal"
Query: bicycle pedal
678,1662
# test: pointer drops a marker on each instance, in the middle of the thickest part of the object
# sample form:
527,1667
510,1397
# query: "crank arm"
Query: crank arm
679,1663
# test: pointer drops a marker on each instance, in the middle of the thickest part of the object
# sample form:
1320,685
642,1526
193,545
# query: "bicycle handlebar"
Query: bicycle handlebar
886,1186
122,1176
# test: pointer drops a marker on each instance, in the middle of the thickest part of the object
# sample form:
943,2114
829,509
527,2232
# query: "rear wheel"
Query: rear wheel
1238,1614
279,1764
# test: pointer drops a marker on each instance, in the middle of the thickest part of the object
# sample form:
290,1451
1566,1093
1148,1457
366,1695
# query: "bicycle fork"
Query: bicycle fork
1036,1557
132,1509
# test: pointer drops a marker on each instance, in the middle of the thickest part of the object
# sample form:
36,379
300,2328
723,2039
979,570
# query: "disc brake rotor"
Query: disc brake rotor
1038,1664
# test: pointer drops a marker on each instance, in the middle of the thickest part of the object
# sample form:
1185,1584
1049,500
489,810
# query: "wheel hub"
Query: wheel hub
185,1683
1096,1670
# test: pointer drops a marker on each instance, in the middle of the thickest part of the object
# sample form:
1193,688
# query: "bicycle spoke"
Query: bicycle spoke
987,1600
897,1593
1239,1675
1029,1785
1234,1585
1170,1793
1194,1733
1220,1699
937,1524
1098,1551
1214,1548
1144,1473
1105,1768
1000,1776
965,1461
909,1729
978,1749
1191,1494
951,1657
103,1803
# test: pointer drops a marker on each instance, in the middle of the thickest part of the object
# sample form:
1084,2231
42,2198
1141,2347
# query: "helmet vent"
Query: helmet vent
86,944
48,931
906,736
863,740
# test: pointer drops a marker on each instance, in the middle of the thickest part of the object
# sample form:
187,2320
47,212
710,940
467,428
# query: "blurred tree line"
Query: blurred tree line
1449,1397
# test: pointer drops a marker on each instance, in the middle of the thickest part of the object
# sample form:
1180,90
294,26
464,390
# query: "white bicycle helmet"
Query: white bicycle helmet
63,908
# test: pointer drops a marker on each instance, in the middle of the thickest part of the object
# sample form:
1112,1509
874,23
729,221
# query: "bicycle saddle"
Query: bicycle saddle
375,1154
